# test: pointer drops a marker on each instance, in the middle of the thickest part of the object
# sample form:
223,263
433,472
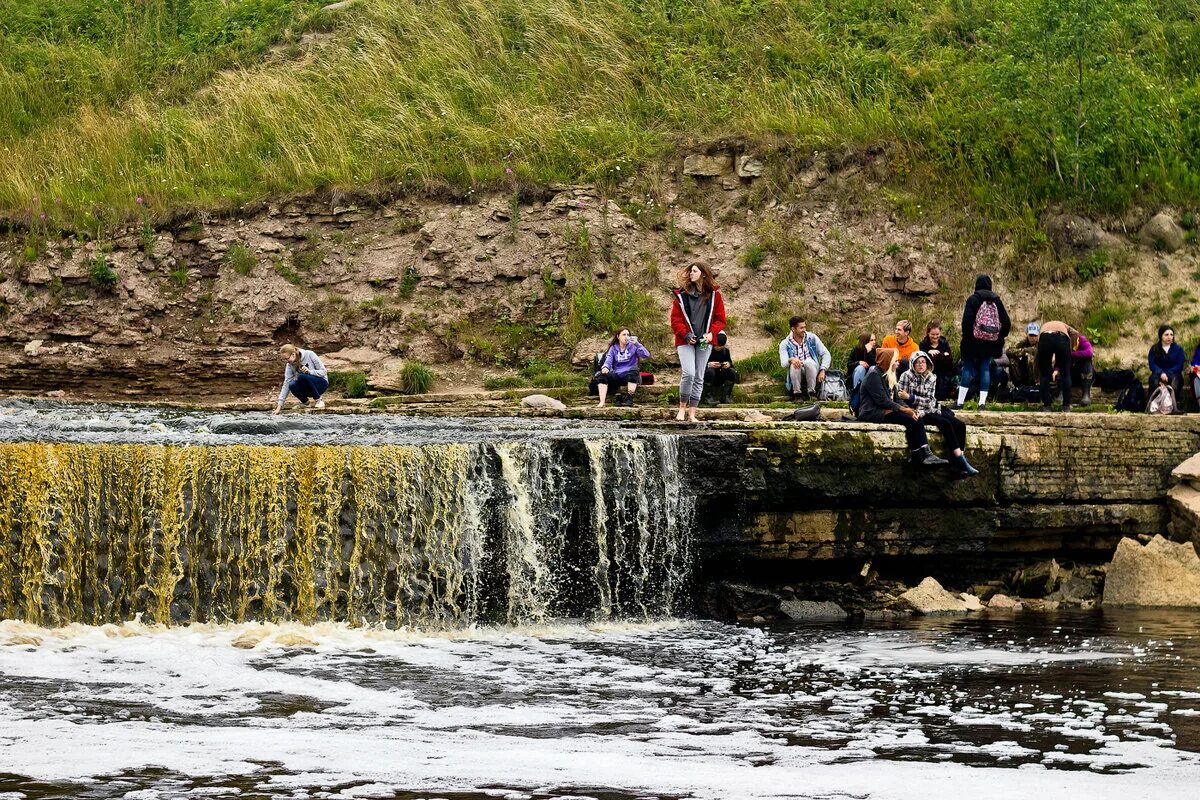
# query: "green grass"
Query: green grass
213,103
240,259
101,275
416,378
493,382
606,310
350,384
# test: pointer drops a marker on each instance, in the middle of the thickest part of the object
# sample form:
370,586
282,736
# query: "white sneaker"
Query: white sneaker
320,405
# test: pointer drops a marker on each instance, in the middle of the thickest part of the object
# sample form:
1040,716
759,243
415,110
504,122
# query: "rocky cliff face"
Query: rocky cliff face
477,282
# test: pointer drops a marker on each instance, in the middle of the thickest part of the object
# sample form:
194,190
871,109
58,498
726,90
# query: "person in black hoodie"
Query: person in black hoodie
985,326
937,347
877,403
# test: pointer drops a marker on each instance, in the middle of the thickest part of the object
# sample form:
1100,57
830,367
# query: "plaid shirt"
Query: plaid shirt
922,391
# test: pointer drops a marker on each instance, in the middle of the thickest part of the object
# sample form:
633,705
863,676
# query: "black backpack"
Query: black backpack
1132,398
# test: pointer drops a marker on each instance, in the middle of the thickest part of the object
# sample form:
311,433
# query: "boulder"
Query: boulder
1075,590
1002,602
543,402
1162,233
691,223
1162,573
971,601
702,166
749,167
1073,236
928,597
807,610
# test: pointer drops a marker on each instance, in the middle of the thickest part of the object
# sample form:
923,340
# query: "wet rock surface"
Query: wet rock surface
1162,573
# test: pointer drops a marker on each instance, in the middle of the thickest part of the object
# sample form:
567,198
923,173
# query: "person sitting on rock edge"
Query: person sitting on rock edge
719,375
1167,360
878,404
862,358
805,358
937,347
1022,357
902,342
303,376
918,387
621,368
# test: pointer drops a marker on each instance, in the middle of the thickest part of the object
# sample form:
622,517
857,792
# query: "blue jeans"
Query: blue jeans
308,387
860,372
977,368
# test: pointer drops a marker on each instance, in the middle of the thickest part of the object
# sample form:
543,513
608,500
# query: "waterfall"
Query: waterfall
428,535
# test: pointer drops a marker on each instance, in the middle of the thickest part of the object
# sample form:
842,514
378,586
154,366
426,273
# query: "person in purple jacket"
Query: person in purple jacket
1083,369
620,367
1167,361
1196,373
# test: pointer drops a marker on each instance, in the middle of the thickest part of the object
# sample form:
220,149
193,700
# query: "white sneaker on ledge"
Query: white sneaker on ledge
320,405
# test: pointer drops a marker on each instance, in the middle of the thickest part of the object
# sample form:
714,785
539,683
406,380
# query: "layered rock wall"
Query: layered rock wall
1048,484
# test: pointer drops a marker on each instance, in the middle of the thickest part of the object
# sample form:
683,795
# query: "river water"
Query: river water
1099,704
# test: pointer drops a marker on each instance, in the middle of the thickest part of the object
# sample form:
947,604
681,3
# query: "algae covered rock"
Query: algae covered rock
811,610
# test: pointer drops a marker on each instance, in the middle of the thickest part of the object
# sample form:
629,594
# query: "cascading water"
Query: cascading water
428,534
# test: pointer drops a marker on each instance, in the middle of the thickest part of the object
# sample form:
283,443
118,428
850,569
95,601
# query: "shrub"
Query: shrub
1092,265
179,277
241,259
350,384
754,256
504,382
608,311
101,274
415,378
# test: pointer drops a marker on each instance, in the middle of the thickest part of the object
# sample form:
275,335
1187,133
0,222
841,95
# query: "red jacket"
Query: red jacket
679,321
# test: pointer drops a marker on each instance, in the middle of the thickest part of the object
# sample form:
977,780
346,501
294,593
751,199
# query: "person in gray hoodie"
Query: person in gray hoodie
303,376
918,387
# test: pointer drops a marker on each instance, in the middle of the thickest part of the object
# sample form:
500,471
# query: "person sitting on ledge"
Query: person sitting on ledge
805,358
1167,360
937,347
1022,357
1196,374
877,403
719,375
621,368
902,342
304,376
862,358
918,387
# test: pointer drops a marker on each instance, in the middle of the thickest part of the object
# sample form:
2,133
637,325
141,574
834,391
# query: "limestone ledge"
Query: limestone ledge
1048,483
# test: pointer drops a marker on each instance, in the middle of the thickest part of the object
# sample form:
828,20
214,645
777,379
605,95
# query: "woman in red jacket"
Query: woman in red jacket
697,316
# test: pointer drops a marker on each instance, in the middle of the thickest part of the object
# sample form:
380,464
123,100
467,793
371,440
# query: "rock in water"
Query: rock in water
1162,573
928,597
293,639
812,610
1002,602
542,401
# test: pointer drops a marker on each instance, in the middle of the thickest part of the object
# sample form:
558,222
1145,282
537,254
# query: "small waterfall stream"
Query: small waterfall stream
424,534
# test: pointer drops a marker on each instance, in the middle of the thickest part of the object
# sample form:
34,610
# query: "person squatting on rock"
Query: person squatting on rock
1055,343
862,358
1167,360
985,326
878,403
1022,357
902,342
303,376
918,387
719,375
621,368
697,316
1083,369
937,347
805,358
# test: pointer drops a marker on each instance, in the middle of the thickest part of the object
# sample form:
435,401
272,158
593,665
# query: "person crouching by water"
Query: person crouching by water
877,403
621,368
304,376
918,387
697,316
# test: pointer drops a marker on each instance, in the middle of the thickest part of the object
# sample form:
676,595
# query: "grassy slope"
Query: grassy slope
182,101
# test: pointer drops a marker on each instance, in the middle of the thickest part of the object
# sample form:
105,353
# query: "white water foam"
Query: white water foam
641,709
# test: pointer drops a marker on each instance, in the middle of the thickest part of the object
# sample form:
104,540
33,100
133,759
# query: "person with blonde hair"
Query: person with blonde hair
697,316
303,376
878,404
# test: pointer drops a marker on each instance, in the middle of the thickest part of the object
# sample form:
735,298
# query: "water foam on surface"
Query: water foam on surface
670,709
